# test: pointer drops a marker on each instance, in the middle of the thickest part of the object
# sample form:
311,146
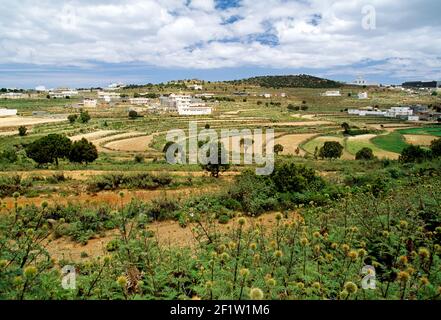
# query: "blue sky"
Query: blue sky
81,43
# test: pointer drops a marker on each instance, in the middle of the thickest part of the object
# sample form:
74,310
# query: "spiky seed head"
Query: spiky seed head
403,276
30,271
351,287
256,294
122,281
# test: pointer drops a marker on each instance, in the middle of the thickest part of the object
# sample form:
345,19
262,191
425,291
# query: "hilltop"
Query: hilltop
289,81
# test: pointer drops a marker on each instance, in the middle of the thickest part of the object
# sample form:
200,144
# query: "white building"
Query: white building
413,118
12,95
115,86
363,96
283,95
184,105
63,93
108,96
8,112
90,103
266,95
196,87
367,112
334,93
139,101
41,89
395,112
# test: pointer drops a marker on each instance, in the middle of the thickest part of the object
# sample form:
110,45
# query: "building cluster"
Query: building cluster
62,93
184,105
409,113
8,112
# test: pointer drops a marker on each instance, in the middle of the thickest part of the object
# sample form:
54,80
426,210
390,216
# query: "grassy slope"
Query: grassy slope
393,142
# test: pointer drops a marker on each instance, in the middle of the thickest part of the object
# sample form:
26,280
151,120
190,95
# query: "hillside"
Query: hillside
289,81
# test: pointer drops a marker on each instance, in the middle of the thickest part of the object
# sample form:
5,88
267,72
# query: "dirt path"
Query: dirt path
15,122
167,233
92,136
421,140
291,142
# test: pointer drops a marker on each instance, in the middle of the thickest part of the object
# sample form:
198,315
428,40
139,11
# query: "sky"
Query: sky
85,43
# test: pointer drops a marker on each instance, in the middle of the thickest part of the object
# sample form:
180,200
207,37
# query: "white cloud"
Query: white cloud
323,34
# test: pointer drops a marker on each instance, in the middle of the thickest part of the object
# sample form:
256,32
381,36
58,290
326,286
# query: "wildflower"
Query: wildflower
317,249
363,244
256,294
334,245
316,234
256,258
271,282
30,271
224,256
403,276
107,259
209,284
244,272
345,248
353,255
278,216
300,285
354,229
329,257
403,260
122,281
241,221
362,252
304,242
316,285
404,224
385,233
18,280
438,249
232,245
351,287
424,281
438,230
213,254
424,253
410,270
413,254
344,294
16,195
253,246
273,244
3,263
222,248
278,254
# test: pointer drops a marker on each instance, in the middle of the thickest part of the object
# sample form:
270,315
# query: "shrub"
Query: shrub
224,219
435,146
139,158
49,149
22,130
289,177
84,117
83,151
133,114
414,154
72,118
331,150
365,154
278,148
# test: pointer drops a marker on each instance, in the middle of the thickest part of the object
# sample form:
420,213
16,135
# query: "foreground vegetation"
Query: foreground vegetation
315,248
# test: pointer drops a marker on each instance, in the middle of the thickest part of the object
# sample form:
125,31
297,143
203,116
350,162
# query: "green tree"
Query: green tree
435,146
83,151
331,150
414,154
72,118
49,149
22,130
434,93
289,177
220,164
133,114
278,148
84,117
365,154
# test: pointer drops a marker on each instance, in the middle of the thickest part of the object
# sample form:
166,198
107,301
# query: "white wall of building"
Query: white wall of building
8,112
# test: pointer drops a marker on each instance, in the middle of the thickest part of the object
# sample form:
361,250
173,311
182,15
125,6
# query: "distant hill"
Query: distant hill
289,81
